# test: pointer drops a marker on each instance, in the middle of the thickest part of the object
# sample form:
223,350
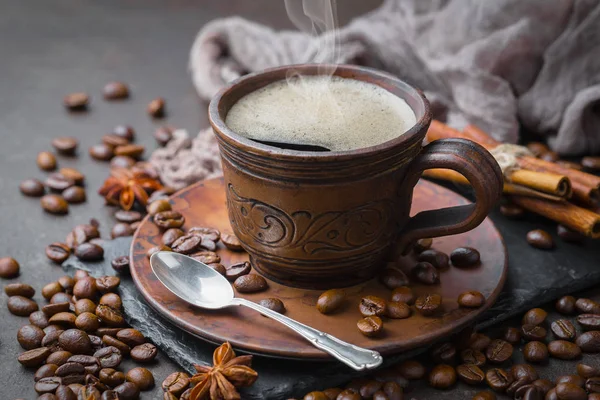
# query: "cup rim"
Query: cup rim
222,130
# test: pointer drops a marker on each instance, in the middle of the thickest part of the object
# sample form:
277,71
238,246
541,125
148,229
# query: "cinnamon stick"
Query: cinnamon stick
557,185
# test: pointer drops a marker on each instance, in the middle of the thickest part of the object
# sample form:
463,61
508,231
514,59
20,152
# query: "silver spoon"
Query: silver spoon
200,285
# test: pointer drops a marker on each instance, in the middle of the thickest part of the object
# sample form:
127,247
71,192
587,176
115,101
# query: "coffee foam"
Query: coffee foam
337,113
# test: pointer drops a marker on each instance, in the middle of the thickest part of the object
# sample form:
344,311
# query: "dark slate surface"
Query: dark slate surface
535,277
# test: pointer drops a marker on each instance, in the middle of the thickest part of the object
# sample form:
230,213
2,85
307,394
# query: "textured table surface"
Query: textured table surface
52,48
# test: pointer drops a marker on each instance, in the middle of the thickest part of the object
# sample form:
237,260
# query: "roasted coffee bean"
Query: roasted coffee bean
587,306
332,393
46,161
115,91
75,341
110,395
96,342
90,363
121,264
564,350
45,371
592,385
594,396
530,392
551,156
59,357
428,304
568,391
537,148
470,374
569,235
474,357
176,383
589,342
425,273
89,252
87,322
108,331
524,372
436,258
9,268
535,316
64,392
121,230
540,239
250,283
169,219
101,152
372,305
128,216
70,368
206,257
114,140
85,306
512,211
163,135
57,182
61,298
186,244
157,249
111,341
50,340
422,244
512,335
112,300
127,391
589,321
535,352
464,257
591,162
411,369
73,174
533,332
19,289
236,270
130,150
32,188
122,162
219,268
442,376
443,353
499,351
110,316
34,358
158,206
111,377
403,294
471,299
67,283
89,392
397,310
107,284
65,145
144,353
370,326
156,108
58,252
171,235
64,319
21,306
331,300
484,395
54,204
85,288
231,242
39,319
317,396
55,308
543,384
47,385
77,101
274,304
393,278
349,394
551,395
563,329
208,245
124,131
587,371
574,379
498,379
141,377
30,337
109,357
367,390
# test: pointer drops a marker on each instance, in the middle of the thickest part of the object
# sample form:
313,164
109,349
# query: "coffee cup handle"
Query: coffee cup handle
481,170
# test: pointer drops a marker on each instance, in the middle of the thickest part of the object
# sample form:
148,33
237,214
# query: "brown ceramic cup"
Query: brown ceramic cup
329,219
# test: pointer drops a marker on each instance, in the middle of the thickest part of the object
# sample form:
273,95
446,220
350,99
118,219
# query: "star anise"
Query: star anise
220,382
123,187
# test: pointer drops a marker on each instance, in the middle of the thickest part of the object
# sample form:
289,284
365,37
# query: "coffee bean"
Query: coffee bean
111,377
47,385
169,219
512,335
122,162
206,233
9,268
30,337
574,379
470,374
370,326
72,174
32,188
90,363
141,377
535,352
569,235
231,242
163,135
50,340
474,357
444,353
533,332
121,230
331,300
57,182
551,156
250,283
436,258
54,204
186,244
127,391
498,379
403,294
57,252
563,329
61,298
76,101
512,210
45,371
144,352
64,392
89,252
84,305
411,370
594,396
568,391
537,148
425,273
587,306
564,350
19,289
70,368
112,300
34,358
74,195
67,283
64,319
107,284
21,306
442,376
524,372
65,145
151,251
46,161
171,235
464,257
156,108
87,322
85,288
110,316
471,299
422,244
592,385
131,337
587,321
397,310
56,308
535,316
109,357
499,351
115,91
75,341
368,389
158,206
589,342
323,396
134,151
101,152
591,162
274,304
393,278
530,392
540,239
484,395
176,383
111,341
59,357
428,304
236,270
348,394
39,319
587,371
128,216
108,331
543,384
372,305
206,257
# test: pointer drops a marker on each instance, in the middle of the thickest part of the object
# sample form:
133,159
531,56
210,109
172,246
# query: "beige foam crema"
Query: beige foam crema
337,113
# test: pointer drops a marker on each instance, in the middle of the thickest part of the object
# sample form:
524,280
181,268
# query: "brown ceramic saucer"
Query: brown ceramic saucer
203,204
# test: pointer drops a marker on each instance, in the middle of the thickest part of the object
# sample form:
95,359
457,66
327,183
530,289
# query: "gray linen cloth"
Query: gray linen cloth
492,63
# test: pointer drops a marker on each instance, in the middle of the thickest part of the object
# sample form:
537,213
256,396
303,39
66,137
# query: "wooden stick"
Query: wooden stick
576,218
557,185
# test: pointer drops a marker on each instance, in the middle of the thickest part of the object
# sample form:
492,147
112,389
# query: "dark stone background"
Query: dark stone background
51,48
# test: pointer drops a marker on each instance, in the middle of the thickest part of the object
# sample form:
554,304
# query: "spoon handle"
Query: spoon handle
351,355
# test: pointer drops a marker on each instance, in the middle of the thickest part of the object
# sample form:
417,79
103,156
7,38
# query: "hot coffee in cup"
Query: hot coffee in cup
322,219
